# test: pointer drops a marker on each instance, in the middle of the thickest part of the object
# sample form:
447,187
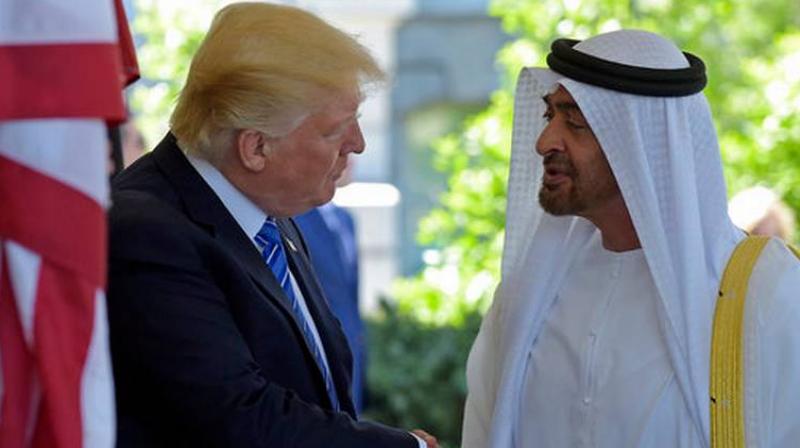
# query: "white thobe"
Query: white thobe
599,373
617,414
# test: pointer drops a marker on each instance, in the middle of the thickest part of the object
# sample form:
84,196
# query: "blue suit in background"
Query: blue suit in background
330,236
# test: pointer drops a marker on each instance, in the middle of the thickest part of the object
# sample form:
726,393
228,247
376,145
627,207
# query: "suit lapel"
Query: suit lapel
327,326
207,210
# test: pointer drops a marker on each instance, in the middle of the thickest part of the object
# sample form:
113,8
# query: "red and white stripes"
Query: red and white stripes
57,385
61,66
56,57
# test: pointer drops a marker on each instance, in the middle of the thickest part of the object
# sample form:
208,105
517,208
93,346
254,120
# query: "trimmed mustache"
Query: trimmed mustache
558,162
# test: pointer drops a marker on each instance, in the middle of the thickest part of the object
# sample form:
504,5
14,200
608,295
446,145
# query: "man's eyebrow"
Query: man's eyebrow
343,122
349,119
564,106
567,106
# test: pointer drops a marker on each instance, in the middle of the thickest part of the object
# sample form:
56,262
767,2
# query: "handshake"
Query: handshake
429,440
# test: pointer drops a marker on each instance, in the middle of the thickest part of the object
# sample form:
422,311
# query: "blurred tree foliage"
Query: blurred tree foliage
419,342
172,31
416,377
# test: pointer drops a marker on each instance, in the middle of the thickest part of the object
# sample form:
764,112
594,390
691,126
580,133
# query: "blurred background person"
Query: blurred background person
330,234
760,211
133,145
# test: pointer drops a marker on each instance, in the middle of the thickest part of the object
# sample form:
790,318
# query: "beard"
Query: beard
559,203
586,189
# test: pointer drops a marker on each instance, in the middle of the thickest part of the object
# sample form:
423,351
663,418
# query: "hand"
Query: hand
429,439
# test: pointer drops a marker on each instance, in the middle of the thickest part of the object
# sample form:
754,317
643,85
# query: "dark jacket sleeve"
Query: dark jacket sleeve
177,349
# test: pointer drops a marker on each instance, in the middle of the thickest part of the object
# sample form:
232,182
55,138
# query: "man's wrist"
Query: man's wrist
421,442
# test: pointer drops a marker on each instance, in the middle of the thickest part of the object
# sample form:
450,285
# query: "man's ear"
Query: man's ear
251,148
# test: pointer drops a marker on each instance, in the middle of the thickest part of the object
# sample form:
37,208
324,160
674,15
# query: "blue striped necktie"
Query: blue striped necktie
269,241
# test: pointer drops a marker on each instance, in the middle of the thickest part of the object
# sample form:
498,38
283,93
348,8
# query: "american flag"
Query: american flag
63,64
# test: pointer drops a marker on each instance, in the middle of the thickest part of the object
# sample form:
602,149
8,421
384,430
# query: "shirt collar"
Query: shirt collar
249,217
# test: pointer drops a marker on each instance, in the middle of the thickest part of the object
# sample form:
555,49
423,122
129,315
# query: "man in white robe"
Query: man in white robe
600,331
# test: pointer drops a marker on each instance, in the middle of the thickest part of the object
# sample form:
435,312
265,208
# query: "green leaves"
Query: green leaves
416,372
172,32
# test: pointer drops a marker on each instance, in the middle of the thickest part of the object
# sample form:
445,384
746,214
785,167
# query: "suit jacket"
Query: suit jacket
205,347
329,232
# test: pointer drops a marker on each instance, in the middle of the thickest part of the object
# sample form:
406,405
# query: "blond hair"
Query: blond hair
264,66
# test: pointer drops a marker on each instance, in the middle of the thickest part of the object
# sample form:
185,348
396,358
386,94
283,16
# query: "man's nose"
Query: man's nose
550,139
355,140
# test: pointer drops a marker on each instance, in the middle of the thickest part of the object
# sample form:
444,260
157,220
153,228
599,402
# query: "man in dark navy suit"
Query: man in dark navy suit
220,333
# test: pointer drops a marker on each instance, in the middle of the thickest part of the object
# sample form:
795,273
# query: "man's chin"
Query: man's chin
555,211
554,203
325,196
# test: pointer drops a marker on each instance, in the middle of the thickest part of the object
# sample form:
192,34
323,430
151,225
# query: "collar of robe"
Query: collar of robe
583,67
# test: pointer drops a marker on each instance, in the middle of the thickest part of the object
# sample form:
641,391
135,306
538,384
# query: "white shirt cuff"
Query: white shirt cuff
421,442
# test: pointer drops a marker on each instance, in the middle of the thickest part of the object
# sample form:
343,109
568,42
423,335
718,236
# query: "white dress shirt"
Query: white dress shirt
599,374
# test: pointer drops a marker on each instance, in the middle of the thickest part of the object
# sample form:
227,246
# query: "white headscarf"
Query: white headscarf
665,156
